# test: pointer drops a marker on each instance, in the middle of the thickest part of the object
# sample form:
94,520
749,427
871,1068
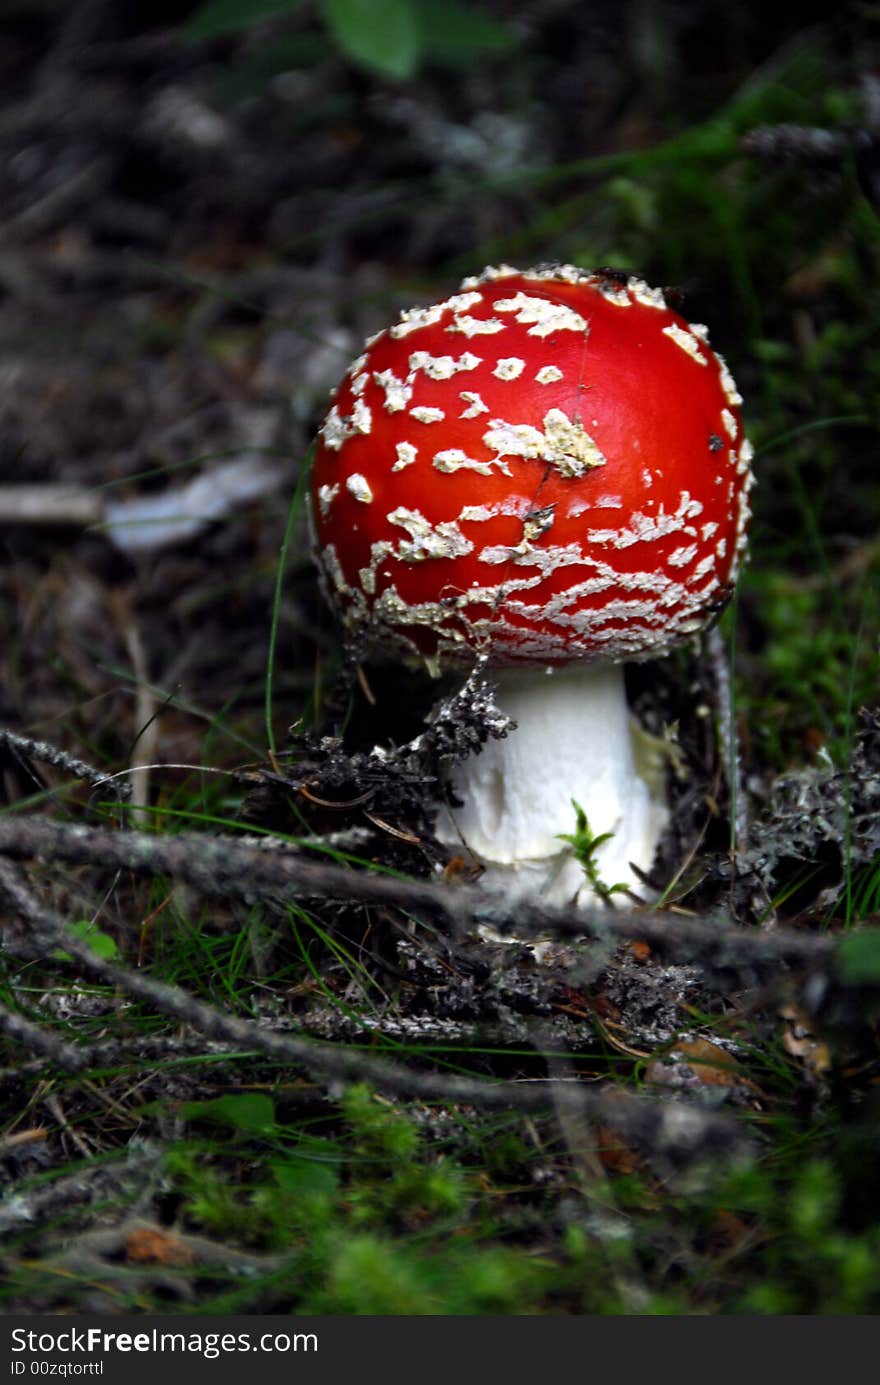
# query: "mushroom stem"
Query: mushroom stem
574,740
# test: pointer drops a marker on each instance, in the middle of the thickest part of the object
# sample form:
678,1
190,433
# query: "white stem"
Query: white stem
574,740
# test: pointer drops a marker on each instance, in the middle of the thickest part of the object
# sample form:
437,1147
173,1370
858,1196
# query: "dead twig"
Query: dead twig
146,721
39,1040
220,866
141,1255
22,1141
154,1051
727,736
81,1145
75,506
797,144
46,754
677,1131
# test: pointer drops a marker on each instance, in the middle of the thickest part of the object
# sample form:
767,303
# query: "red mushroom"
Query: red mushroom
548,468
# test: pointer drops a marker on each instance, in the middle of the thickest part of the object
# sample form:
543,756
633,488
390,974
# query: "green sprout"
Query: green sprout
584,844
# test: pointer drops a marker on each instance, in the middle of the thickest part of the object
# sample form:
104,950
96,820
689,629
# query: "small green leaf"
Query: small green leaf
457,35
600,838
858,958
382,35
311,1173
230,16
251,1112
89,933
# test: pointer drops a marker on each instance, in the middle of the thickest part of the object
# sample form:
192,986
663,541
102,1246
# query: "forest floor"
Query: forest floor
256,1052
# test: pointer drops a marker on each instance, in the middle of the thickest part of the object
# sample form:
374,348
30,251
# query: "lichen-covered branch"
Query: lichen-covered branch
47,754
677,1131
222,866
40,1040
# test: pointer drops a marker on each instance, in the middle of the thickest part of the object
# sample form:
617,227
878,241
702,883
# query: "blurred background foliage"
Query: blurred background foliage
627,137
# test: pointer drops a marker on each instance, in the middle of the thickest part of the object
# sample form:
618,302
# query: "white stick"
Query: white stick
141,523
50,504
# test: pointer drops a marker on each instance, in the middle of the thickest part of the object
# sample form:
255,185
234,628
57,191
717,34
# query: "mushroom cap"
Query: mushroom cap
549,465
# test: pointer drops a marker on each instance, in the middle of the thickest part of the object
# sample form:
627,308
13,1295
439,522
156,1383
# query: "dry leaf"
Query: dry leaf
614,1155
150,1245
799,1041
707,1061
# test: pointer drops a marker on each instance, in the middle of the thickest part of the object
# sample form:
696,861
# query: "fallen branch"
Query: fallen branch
47,754
34,1036
222,866
130,1052
674,1130
152,1051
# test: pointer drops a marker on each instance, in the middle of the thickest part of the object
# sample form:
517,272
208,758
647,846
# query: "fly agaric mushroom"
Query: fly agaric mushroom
547,469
